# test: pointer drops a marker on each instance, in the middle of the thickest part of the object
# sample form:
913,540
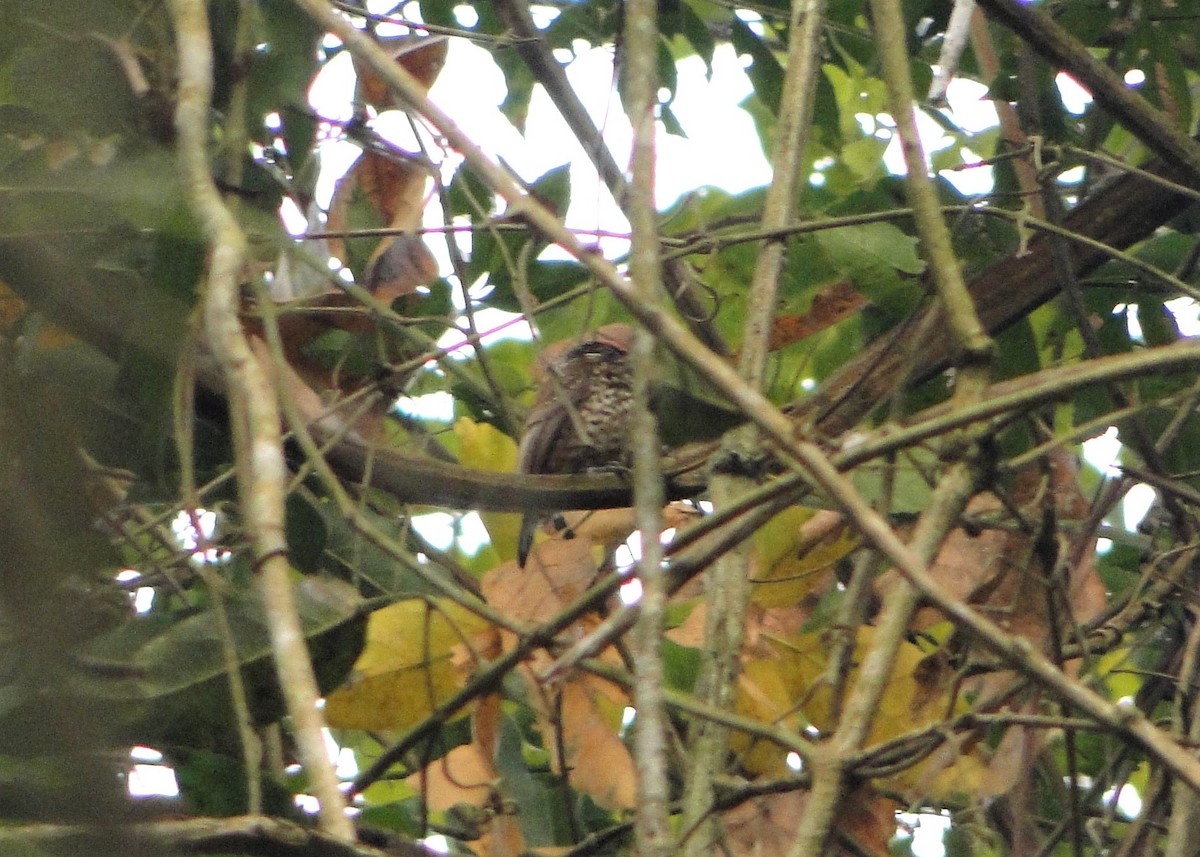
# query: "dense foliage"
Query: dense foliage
892,583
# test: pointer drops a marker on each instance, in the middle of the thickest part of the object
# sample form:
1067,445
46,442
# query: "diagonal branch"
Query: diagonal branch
1120,215
1064,51
550,74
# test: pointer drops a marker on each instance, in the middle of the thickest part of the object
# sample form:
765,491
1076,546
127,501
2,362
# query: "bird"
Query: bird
580,418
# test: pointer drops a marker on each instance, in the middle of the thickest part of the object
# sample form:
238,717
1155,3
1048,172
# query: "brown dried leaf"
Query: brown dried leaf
468,775
1001,570
765,826
556,572
394,187
868,819
12,308
421,56
398,266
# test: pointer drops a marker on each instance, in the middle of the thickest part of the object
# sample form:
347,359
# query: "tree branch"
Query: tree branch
550,74
258,836
652,827
254,414
1123,213
1064,51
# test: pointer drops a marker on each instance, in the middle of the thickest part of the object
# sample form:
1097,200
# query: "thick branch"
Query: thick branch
416,479
241,835
1125,212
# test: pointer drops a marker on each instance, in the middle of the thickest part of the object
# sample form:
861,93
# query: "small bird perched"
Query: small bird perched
580,419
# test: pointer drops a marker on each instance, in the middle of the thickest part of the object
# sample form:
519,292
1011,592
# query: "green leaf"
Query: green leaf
686,408
695,29
550,278
873,255
439,13
1158,324
352,556
871,246
306,533
855,93
670,121
681,665
553,189
80,88
169,654
518,784
865,158
214,783
910,482
470,196
668,74
166,673
515,105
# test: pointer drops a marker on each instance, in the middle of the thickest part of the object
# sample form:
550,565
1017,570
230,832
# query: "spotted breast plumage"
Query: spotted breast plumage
579,421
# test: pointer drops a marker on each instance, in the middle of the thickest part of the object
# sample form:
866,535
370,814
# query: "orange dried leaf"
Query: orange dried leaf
395,187
993,568
392,189
464,775
596,759
555,574
398,266
765,826
485,724
12,308
868,819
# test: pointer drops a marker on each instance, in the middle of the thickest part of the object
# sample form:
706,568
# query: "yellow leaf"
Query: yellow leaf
484,447
1121,673
767,693
786,687
408,667
795,555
